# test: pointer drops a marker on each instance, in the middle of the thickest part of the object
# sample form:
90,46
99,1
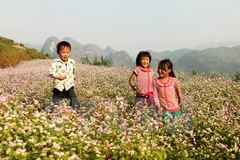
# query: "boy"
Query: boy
62,72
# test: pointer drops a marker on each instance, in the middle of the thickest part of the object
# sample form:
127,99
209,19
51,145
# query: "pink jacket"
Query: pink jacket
167,95
144,80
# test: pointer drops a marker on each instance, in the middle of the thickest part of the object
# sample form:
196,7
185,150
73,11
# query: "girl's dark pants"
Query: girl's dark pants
69,94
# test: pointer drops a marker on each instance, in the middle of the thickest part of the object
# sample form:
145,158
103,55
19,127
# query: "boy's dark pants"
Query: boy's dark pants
69,94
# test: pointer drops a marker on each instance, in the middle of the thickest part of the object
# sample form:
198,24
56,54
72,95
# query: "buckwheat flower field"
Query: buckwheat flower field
108,125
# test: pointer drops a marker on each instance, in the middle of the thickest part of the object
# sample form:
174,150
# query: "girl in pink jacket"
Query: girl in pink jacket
143,74
167,92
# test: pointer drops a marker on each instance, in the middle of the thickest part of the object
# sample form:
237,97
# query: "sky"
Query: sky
129,25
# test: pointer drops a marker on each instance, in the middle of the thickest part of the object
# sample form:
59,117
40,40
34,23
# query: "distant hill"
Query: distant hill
80,51
49,46
222,60
37,47
121,58
11,53
218,44
174,55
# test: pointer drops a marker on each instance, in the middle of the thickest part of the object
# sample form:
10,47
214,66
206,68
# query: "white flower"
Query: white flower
31,140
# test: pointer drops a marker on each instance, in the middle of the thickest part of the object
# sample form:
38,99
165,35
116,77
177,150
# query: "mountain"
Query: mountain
12,53
73,42
49,46
37,47
221,60
77,52
174,56
218,44
109,50
80,51
95,49
121,58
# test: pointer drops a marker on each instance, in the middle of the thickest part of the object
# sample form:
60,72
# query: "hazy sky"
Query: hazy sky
130,25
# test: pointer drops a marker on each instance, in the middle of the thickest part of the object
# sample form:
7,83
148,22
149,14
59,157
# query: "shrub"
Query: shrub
102,62
236,77
194,72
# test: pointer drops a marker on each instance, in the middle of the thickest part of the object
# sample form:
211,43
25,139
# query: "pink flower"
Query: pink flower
131,153
8,150
3,99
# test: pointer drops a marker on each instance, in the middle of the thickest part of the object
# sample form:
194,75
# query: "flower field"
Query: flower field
108,125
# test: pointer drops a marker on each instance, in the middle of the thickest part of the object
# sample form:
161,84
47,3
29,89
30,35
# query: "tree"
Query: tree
102,62
236,77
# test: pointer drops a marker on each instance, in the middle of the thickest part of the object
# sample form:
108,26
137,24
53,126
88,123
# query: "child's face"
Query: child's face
164,72
145,61
64,53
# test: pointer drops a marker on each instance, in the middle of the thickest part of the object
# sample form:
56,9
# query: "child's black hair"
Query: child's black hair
166,63
62,44
143,54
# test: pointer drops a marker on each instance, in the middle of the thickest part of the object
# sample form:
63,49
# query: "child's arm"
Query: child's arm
131,79
53,72
156,99
178,91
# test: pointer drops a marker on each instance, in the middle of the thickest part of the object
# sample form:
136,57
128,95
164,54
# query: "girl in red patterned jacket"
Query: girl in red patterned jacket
167,92
143,73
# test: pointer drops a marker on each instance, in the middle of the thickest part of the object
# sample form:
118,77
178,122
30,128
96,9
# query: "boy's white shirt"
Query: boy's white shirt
58,67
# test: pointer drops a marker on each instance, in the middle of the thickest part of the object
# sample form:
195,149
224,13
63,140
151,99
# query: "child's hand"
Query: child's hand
134,87
61,77
180,102
160,111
